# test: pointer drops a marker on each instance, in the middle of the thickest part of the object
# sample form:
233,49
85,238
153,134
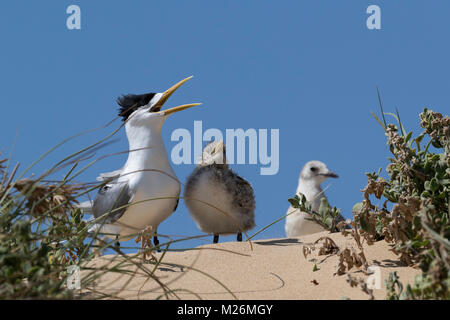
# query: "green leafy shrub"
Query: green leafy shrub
417,224
327,216
43,235
33,222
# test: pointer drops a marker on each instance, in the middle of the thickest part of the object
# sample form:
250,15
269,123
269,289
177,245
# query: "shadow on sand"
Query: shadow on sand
279,242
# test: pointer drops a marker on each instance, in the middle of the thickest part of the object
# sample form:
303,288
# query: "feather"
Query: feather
131,102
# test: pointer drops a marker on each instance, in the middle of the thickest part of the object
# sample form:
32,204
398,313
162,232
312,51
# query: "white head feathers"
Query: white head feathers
214,152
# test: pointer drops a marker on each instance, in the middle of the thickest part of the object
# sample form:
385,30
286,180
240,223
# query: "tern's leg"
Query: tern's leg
239,237
216,238
117,244
156,243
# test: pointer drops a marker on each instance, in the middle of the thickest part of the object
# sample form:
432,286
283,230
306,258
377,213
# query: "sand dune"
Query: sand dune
274,269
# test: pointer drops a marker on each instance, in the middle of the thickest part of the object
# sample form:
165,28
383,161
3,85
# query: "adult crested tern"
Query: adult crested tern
146,190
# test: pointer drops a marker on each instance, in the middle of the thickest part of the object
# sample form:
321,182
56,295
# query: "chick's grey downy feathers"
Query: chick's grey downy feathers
219,200
217,186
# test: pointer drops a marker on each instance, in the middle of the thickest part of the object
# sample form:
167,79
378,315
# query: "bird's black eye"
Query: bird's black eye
104,188
313,169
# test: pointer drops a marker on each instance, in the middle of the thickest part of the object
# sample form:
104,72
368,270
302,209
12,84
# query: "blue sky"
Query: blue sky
307,68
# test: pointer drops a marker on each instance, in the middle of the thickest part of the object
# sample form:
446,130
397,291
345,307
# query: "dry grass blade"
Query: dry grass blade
146,243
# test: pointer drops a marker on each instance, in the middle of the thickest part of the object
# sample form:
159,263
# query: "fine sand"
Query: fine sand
274,269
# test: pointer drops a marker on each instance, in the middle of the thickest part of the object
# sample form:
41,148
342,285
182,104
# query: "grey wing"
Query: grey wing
112,196
109,175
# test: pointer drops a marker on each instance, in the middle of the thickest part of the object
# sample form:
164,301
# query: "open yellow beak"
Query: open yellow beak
179,108
166,95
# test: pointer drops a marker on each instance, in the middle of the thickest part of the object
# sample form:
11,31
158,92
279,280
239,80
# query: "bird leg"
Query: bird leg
117,244
156,243
239,237
216,238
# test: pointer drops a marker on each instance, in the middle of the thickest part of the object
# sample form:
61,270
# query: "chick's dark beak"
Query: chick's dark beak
330,174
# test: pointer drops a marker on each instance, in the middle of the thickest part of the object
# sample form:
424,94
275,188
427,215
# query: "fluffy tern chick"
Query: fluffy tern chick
313,174
218,200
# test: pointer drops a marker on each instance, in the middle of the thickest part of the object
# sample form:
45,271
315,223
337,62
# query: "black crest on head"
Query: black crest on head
131,102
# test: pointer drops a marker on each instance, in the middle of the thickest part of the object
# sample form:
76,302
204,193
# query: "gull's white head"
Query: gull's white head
316,172
214,152
145,109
